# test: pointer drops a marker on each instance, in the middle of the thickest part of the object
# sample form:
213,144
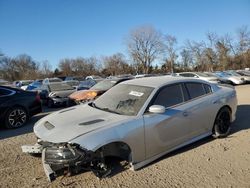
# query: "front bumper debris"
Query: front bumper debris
63,162
32,149
51,175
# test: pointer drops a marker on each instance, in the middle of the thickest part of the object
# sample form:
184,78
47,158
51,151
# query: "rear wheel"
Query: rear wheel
222,123
16,117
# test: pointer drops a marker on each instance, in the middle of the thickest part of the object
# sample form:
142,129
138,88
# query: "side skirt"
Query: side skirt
147,161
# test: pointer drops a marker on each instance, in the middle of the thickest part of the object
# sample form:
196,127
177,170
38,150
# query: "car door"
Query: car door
164,131
202,108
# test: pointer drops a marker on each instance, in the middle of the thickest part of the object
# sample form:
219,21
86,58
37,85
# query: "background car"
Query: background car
56,94
243,72
229,79
73,83
86,84
17,106
93,77
4,82
51,80
95,91
241,76
34,85
200,75
23,84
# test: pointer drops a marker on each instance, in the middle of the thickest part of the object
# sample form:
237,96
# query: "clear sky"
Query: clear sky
55,29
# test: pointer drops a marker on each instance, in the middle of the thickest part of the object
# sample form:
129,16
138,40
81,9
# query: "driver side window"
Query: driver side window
170,96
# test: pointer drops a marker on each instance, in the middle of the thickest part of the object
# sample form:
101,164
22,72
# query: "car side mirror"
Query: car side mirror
157,109
196,76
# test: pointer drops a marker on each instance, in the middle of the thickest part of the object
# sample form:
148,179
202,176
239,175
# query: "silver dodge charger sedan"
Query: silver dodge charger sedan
138,120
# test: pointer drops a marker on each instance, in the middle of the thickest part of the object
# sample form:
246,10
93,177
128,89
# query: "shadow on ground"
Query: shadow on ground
242,121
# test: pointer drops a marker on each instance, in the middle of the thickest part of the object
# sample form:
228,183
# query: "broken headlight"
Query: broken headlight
63,154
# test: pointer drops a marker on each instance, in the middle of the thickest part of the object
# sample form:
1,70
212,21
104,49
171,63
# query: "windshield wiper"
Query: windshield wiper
108,110
104,109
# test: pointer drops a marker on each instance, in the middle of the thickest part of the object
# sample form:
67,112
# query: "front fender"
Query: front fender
131,133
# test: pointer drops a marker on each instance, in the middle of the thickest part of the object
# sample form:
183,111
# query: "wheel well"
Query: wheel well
225,106
116,149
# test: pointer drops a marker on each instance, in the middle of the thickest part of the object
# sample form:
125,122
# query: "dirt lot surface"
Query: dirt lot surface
207,163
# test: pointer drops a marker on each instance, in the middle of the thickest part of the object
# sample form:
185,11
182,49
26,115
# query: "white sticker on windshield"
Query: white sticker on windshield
136,93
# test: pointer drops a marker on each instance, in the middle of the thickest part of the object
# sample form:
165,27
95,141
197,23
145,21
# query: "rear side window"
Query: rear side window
195,89
207,88
4,92
170,96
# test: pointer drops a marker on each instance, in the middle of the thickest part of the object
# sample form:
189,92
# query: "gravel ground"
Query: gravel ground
207,163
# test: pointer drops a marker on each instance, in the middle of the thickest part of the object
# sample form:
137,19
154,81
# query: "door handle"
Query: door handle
185,114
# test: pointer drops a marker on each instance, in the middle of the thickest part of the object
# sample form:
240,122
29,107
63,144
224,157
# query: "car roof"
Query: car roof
159,81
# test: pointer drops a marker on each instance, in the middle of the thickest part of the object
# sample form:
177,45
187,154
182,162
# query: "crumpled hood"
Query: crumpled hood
69,123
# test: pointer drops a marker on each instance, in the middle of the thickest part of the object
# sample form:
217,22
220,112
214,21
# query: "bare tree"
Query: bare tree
65,67
197,48
115,65
145,45
170,49
20,67
84,66
186,59
243,36
243,46
46,69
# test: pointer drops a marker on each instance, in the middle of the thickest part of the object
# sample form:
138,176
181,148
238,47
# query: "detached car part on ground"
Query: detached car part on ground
56,94
138,120
17,106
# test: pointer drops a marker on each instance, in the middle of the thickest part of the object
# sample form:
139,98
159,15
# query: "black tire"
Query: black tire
222,123
16,117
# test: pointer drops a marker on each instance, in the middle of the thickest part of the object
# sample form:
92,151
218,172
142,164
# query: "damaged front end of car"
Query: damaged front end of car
68,159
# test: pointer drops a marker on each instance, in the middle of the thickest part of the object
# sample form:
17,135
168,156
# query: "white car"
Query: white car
242,77
200,75
230,78
138,120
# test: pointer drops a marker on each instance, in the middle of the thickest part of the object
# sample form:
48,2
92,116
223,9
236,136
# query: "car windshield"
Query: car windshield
124,99
233,73
222,74
60,87
25,83
55,80
104,85
36,84
87,83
